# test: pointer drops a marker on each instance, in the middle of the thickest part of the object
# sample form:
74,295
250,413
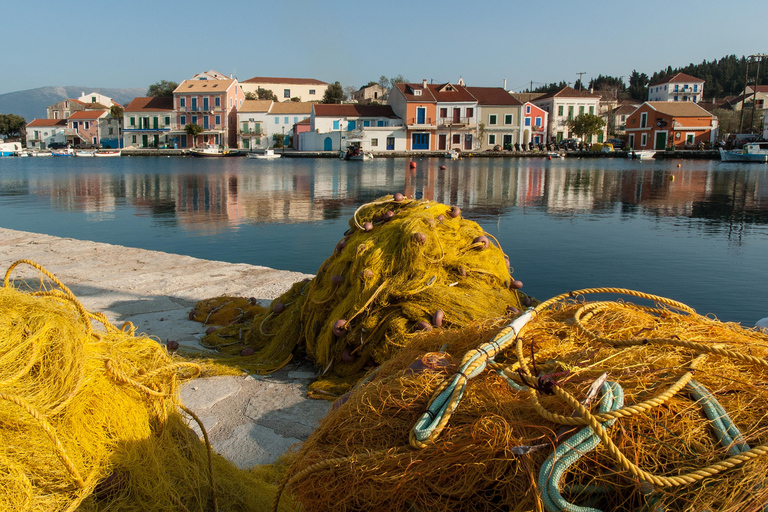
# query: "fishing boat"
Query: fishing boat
212,150
267,154
63,152
107,152
84,152
453,154
9,148
750,152
641,154
355,152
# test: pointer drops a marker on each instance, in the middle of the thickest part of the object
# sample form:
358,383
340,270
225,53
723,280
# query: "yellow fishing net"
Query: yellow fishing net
402,267
591,406
90,418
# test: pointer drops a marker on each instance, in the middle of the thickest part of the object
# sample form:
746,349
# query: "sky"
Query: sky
110,44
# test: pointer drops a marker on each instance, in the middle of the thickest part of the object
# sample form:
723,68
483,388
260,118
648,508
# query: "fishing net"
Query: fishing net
589,406
402,267
90,418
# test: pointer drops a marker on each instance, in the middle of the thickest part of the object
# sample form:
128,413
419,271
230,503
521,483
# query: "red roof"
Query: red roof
149,103
408,91
47,122
87,114
448,92
680,77
493,96
274,80
569,92
353,110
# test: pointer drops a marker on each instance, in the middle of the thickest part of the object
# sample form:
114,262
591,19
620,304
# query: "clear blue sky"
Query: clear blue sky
134,44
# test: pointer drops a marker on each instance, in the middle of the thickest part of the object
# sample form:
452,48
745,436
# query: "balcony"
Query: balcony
462,122
251,132
428,122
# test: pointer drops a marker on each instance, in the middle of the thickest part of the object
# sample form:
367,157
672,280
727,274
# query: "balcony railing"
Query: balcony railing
252,132
417,122
460,122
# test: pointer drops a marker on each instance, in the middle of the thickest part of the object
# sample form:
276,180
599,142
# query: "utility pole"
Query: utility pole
746,79
580,75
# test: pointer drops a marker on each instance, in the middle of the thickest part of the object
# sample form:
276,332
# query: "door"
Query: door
456,115
441,141
205,104
631,141
194,104
327,144
155,140
507,142
468,141
420,141
421,115
144,141
661,141
154,123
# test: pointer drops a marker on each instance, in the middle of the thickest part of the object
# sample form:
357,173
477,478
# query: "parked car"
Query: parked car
570,143
57,145
87,145
617,143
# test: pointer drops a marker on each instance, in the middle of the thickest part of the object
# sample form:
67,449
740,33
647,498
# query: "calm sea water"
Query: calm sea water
697,232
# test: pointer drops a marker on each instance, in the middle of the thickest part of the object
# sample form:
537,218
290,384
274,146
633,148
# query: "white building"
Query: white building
375,128
41,133
680,87
96,97
305,89
283,116
252,124
566,104
147,122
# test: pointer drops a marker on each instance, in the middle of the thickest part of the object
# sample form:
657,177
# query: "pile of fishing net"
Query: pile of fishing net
90,418
403,266
589,406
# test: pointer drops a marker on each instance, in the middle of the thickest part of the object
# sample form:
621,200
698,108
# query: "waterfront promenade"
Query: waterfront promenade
251,419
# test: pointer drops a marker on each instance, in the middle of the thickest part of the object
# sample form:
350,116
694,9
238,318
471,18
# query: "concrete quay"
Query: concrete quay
250,420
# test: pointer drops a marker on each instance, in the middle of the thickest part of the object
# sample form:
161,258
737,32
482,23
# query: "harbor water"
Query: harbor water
692,230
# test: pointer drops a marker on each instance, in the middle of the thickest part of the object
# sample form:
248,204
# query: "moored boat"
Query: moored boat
214,151
266,154
641,154
63,152
10,148
108,152
84,152
750,152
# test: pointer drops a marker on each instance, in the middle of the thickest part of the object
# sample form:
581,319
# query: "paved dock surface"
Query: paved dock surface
250,420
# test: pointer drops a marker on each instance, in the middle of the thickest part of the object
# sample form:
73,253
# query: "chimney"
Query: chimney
424,83
505,84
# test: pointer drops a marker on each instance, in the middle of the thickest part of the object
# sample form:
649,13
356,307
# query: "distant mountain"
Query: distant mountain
31,104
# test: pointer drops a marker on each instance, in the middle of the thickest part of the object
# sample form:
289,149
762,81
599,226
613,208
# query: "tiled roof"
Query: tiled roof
255,106
88,114
274,80
306,120
493,96
450,93
569,92
408,91
149,103
292,107
209,86
625,109
680,77
47,122
523,97
352,110
678,108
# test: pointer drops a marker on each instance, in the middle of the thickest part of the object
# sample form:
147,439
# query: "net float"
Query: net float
420,238
388,215
368,226
482,239
341,245
247,351
517,284
278,308
172,345
455,211
337,280
437,318
366,274
210,330
423,325
348,357
339,328
398,196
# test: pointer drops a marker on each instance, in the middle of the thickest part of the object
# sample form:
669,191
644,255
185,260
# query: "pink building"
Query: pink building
211,104
83,126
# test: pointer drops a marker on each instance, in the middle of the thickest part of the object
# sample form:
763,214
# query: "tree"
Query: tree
11,125
279,140
250,96
162,89
638,86
334,93
193,130
585,125
265,94
117,112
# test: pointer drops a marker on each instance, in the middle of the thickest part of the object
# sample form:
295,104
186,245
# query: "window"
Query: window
366,123
111,131
675,98
312,92
133,139
492,139
194,119
285,120
167,120
132,121
695,87
675,87
527,121
277,121
581,109
182,102
492,119
336,125
457,138
218,120
560,111
470,112
508,119
217,101
443,112
644,120
286,93
690,138
295,120
527,109
643,139
570,112
374,142
592,110
183,120
538,121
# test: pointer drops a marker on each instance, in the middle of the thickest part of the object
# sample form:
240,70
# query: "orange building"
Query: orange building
417,107
662,124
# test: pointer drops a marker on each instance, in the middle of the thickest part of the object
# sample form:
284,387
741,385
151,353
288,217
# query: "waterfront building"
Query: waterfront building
282,117
285,89
211,104
332,127
417,107
616,119
534,124
680,87
251,124
751,96
662,124
41,133
499,116
83,127
564,105
147,122
456,116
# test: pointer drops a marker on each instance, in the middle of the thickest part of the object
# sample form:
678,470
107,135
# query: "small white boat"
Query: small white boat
641,154
213,150
751,152
107,152
10,148
83,152
453,154
265,155
39,153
